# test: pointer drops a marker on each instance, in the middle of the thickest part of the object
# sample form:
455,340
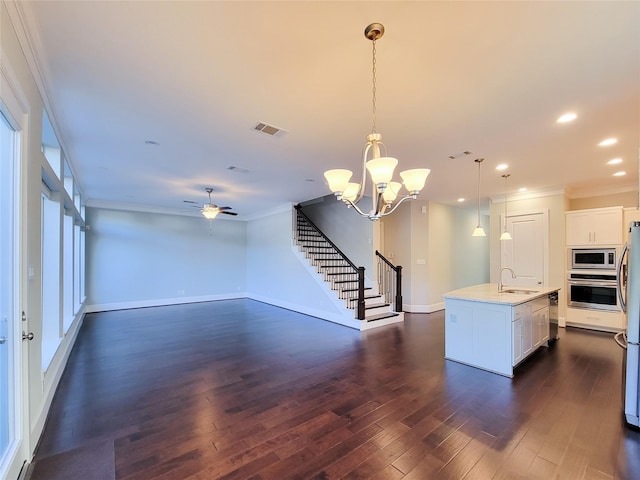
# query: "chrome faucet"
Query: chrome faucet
500,285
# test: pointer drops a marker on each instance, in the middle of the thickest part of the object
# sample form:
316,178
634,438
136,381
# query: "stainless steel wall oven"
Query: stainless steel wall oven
594,290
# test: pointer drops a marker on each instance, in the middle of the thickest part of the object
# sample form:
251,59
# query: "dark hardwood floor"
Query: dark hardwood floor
243,390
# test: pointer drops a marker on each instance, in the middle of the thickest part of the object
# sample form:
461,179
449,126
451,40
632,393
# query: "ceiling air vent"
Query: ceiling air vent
269,129
233,168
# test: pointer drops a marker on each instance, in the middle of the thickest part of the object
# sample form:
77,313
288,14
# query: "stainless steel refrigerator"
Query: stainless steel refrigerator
629,296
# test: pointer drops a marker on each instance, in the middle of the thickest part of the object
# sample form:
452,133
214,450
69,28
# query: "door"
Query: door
13,449
525,253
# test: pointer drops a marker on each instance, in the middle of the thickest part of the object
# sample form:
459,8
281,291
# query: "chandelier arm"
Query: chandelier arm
363,174
356,208
377,203
406,197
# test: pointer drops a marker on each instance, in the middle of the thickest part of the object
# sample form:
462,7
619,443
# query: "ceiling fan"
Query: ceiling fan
210,210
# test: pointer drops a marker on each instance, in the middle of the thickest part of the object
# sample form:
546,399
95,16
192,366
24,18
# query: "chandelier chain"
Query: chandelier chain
373,71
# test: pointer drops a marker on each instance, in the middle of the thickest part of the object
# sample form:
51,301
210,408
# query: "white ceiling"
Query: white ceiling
195,77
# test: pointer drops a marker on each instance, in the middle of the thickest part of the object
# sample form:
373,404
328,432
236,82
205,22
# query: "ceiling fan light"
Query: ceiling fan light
210,212
391,192
414,179
381,169
338,179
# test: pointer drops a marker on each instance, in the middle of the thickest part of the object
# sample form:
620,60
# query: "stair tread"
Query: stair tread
379,305
366,297
381,316
355,289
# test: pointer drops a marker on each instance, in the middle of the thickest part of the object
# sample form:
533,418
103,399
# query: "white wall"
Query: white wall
279,276
433,243
350,232
138,259
556,205
470,255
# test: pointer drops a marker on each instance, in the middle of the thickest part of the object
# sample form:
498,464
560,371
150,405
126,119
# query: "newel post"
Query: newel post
360,293
399,288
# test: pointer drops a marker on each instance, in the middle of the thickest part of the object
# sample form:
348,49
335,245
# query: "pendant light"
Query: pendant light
505,233
479,231
380,168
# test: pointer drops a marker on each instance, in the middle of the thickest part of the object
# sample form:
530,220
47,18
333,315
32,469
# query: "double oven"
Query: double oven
592,278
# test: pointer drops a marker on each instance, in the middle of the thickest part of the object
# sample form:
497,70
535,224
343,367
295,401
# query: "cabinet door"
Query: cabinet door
578,228
527,332
516,330
540,326
544,325
607,227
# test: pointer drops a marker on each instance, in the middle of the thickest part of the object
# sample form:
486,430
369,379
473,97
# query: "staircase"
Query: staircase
343,276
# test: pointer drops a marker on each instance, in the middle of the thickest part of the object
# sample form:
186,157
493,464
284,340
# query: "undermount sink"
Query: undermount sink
518,290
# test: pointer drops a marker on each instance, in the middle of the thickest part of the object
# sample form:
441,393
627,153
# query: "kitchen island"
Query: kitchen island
495,330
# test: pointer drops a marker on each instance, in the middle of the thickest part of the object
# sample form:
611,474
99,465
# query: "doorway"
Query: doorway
12,431
527,253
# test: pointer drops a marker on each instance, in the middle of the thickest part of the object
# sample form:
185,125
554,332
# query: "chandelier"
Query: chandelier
380,168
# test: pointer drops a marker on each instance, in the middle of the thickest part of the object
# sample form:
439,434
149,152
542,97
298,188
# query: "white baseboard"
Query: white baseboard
159,302
347,319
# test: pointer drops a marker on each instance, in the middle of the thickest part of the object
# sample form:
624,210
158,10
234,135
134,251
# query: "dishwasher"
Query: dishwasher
553,317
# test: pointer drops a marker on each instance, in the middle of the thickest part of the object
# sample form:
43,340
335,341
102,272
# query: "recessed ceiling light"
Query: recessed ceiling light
522,189
567,117
619,174
502,166
608,141
614,161
461,200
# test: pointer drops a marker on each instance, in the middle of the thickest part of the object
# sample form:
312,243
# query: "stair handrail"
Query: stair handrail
359,270
398,270
344,257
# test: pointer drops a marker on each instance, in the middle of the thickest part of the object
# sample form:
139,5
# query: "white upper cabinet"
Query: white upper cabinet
598,226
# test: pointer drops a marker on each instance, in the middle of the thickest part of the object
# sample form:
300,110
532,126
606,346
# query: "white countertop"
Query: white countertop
488,293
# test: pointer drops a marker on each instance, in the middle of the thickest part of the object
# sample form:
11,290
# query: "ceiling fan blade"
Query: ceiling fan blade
224,208
229,213
191,201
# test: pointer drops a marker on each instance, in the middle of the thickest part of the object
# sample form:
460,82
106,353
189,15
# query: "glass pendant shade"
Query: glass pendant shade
478,232
391,192
505,236
338,179
381,169
351,191
414,179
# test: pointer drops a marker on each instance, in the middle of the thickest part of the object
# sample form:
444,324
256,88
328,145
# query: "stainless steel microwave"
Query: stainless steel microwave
589,258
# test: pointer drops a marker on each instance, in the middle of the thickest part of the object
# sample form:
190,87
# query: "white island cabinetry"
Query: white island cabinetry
495,331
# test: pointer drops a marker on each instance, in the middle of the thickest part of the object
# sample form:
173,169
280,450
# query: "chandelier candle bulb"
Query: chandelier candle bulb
381,169
338,180
391,192
415,179
351,192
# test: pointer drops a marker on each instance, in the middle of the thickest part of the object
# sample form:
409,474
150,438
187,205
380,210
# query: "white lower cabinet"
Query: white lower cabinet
495,337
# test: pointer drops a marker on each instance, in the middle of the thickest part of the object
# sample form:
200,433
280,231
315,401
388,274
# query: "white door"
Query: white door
525,253
13,449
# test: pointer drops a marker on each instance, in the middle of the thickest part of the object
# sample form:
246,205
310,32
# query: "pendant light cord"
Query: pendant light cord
373,97
479,161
